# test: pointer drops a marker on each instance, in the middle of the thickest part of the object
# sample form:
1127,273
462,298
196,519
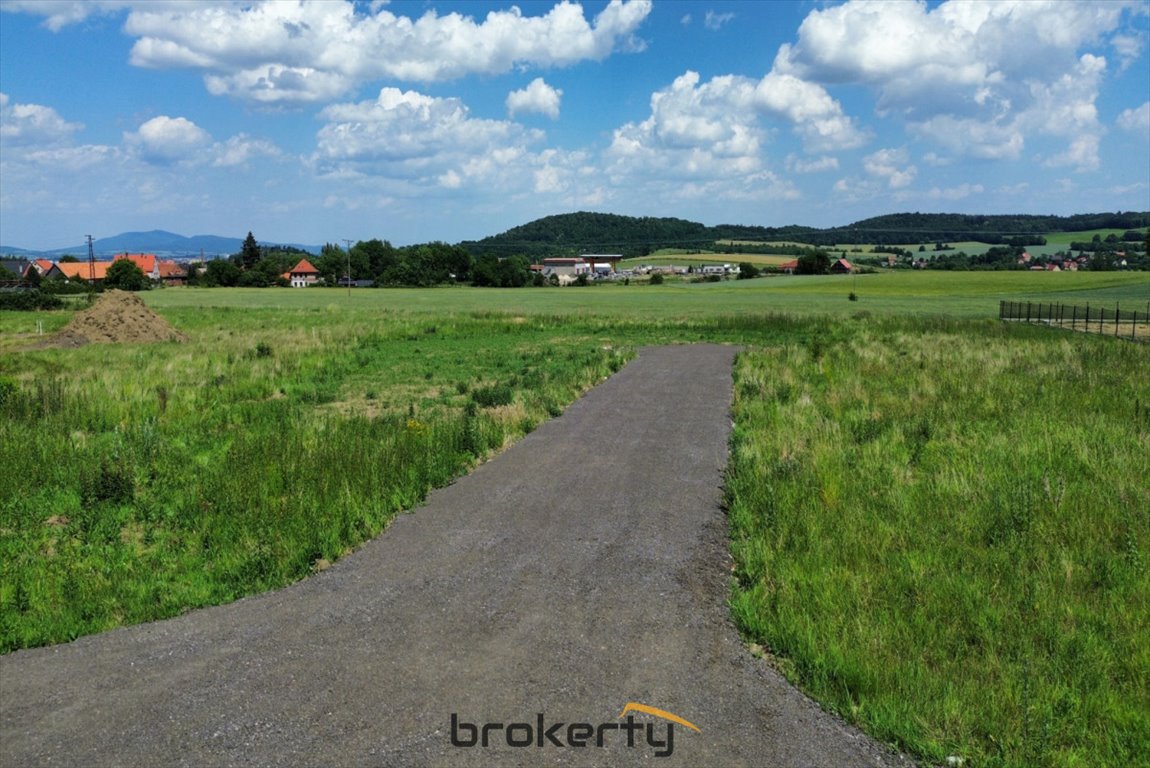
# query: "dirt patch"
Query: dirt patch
117,317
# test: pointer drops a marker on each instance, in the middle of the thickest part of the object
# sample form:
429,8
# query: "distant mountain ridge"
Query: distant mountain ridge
158,241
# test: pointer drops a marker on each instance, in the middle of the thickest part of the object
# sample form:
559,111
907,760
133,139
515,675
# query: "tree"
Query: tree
220,272
68,258
512,272
126,276
813,263
250,252
747,270
331,263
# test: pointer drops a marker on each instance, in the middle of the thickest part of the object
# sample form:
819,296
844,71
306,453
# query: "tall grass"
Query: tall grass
149,480
942,533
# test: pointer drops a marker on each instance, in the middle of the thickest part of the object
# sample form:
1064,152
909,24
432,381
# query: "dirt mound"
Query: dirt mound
116,317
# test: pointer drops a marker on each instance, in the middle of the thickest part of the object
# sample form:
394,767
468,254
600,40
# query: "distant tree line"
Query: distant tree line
376,261
575,233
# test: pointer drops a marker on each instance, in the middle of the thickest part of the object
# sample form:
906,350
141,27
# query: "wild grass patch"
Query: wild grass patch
158,479
943,536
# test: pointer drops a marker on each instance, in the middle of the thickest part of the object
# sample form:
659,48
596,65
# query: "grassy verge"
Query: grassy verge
941,533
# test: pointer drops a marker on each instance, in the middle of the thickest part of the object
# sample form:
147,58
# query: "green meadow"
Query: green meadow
940,523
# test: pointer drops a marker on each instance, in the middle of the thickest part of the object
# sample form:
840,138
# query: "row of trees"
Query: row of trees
377,261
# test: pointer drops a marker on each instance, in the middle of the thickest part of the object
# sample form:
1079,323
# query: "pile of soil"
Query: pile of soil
116,317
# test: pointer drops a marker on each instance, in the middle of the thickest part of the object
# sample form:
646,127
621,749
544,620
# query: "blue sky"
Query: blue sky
311,121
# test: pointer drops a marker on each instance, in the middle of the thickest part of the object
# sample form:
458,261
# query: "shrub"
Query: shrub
657,278
28,301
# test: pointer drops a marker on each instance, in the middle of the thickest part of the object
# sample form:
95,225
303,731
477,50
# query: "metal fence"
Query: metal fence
1123,323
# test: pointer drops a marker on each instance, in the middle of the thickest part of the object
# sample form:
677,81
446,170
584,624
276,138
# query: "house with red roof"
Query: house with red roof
171,273
302,275
841,267
789,267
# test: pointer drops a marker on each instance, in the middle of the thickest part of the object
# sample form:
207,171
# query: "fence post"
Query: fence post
1001,309
1133,325
1028,311
1074,319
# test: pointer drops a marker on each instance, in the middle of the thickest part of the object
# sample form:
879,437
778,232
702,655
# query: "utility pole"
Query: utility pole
91,269
346,240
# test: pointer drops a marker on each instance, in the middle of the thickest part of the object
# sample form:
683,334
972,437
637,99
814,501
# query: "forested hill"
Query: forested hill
925,227
574,233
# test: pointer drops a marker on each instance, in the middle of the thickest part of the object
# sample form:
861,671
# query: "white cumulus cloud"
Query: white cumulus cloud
716,128
318,50
537,97
166,139
241,149
893,165
411,141
978,78
33,124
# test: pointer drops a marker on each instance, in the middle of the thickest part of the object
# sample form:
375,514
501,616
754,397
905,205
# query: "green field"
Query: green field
696,259
1066,238
938,521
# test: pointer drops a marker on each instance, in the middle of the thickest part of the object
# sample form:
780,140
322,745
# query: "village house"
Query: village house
302,274
841,267
717,269
94,271
14,270
171,273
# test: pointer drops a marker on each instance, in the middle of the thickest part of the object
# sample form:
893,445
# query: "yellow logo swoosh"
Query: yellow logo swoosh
635,707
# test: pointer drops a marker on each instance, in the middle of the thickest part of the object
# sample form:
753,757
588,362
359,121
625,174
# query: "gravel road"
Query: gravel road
582,570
